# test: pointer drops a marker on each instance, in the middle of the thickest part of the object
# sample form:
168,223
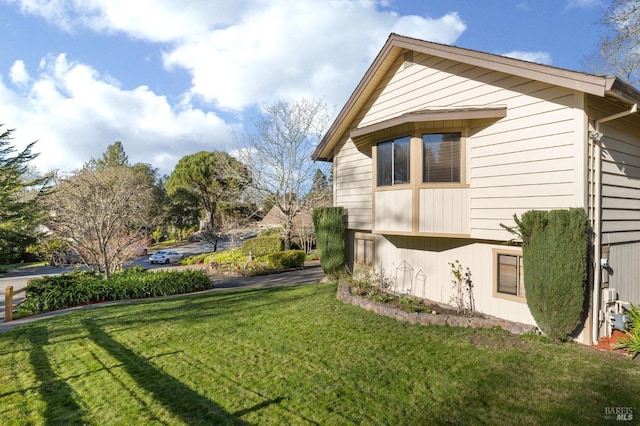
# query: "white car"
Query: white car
165,256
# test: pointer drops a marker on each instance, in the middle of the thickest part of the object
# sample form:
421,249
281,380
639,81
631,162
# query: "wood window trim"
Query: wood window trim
496,293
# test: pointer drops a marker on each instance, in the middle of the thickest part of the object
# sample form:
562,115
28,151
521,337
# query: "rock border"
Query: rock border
426,318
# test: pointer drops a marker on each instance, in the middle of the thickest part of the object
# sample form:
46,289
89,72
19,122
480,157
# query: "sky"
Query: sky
169,78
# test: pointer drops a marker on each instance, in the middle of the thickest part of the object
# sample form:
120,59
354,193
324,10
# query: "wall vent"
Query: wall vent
408,59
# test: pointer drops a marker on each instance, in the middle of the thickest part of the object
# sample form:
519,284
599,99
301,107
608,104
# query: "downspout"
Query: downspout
597,219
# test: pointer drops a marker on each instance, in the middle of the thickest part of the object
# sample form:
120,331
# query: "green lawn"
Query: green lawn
295,355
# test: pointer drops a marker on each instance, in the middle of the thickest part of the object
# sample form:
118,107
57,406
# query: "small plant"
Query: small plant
631,341
374,285
463,288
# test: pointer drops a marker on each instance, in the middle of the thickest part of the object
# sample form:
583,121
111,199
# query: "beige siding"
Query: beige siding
624,260
393,211
532,159
352,176
406,259
620,186
444,210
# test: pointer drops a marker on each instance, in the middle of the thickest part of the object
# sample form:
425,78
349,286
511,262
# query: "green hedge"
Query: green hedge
262,246
328,223
80,288
555,249
287,259
229,256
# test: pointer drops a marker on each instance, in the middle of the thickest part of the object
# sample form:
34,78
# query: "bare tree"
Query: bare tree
278,154
103,214
619,49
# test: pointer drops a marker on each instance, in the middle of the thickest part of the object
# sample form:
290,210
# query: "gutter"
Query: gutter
597,219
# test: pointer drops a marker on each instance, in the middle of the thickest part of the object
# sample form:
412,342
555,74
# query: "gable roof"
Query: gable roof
397,45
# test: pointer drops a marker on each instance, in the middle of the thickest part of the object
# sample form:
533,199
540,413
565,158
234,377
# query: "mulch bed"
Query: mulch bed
609,343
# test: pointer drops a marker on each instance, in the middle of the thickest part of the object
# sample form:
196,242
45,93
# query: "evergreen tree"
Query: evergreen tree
19,196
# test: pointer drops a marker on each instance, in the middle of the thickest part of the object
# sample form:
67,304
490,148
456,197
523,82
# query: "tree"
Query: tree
278,154
113,156
234,219
619,52
20,193
183,210
104,215
214,177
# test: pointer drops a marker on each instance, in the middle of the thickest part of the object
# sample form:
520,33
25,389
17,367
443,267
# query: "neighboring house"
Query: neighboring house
438,146
275,219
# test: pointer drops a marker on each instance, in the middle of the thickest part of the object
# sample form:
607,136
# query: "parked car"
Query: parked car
165,256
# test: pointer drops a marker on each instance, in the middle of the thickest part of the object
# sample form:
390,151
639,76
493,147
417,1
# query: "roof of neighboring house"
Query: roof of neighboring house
275,217
396,45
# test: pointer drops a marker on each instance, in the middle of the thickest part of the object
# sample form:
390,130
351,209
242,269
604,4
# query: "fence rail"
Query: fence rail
8,302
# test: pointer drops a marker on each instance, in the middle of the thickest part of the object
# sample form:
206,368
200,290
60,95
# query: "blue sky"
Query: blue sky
169,78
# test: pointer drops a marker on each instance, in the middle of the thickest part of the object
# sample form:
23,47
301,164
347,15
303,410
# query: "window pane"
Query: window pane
385,163
508,274
401,161
393,161
441,157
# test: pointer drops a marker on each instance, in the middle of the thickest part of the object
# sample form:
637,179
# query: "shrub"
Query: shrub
229,256
288,259
328,223
195,259
262,246
272,232
554,248
80,288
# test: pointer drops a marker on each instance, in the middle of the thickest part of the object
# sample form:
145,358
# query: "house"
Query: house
275,218
439,145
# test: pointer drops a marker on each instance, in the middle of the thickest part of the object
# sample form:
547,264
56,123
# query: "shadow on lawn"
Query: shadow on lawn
202,306
182,401
54,391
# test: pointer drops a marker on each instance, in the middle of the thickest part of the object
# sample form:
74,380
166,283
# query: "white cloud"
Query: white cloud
584,4
18,73
538,57
244,52
75,113
239,54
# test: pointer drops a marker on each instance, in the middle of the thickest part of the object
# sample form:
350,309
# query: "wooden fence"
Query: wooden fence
8,302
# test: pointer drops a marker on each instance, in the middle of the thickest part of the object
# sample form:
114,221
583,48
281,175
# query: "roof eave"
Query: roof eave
586,83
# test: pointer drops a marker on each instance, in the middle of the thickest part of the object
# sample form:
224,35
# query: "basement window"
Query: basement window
509,275
364,249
